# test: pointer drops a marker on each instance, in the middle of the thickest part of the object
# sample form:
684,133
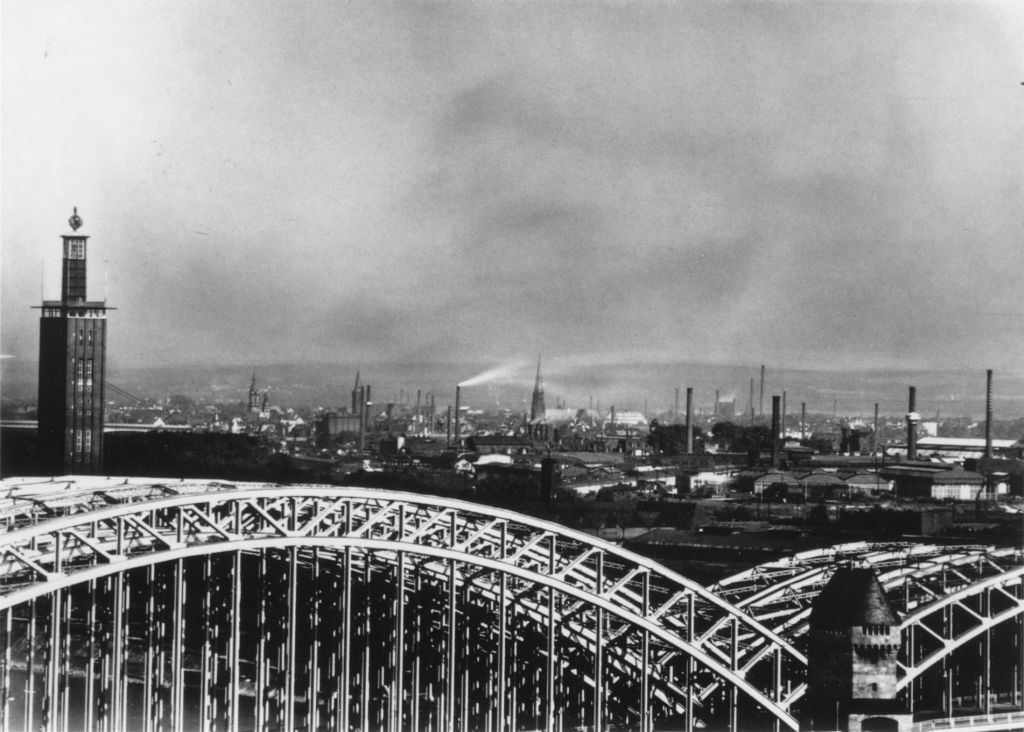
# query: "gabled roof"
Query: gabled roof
821,479
866,479
776,478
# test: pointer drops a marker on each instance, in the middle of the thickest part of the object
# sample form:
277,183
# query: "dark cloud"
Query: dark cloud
799,182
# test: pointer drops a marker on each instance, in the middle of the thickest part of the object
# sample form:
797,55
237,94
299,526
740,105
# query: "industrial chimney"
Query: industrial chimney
782,422
361,411
458,434
912,419
775,430
760,406
874,434
988,414
689,420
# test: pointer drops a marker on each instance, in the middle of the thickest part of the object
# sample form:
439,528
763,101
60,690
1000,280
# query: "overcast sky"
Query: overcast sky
809,184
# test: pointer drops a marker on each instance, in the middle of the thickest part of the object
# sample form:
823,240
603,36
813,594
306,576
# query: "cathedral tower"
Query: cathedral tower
72,368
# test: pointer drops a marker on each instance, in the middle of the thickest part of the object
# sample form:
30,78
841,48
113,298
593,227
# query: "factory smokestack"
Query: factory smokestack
715,410
458,433
752,412
782,423
355,395
760,408
803,420
775,430
874,435
912,419
689,420
988,413
361,411
676,411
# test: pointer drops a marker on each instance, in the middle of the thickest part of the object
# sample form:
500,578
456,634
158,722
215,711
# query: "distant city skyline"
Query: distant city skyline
625,386
832,186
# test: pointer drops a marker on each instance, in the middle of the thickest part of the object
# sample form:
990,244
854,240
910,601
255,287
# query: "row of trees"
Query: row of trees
671,439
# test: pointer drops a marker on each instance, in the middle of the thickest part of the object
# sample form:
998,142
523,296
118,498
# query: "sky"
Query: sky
807,184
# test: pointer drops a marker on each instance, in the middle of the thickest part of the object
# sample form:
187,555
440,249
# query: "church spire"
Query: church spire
355,394
537,405
253,393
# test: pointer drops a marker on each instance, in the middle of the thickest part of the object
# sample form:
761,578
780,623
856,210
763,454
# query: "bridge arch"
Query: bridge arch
951,599
630,620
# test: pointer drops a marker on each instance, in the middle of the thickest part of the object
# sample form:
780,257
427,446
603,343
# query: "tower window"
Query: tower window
88,372
88,448
78,440
76,250
79,371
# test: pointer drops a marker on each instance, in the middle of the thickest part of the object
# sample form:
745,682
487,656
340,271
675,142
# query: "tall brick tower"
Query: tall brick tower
853,639
72,368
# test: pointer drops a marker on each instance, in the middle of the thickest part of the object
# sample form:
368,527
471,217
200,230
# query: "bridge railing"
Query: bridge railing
1003,720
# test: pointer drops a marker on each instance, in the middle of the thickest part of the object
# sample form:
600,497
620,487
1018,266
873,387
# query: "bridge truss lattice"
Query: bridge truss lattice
212,606
140,604
961,607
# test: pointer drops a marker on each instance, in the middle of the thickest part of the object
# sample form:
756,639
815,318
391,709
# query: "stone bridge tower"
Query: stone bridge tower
853,641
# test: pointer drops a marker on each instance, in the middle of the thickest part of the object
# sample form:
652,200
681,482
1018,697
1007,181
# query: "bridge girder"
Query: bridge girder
90,543
75,530
922,581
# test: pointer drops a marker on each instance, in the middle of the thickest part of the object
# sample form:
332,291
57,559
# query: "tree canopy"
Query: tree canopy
670,439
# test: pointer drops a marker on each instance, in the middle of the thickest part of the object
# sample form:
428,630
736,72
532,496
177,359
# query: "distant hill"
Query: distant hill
623,385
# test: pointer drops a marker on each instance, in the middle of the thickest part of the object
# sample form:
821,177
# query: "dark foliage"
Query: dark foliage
19,453
670,439
425,482
739,438
192,455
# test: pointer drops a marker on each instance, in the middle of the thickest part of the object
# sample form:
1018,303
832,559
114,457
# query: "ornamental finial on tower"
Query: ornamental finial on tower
75,222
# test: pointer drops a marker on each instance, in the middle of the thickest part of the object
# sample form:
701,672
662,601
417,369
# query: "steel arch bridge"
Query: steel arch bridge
962,612
140,604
